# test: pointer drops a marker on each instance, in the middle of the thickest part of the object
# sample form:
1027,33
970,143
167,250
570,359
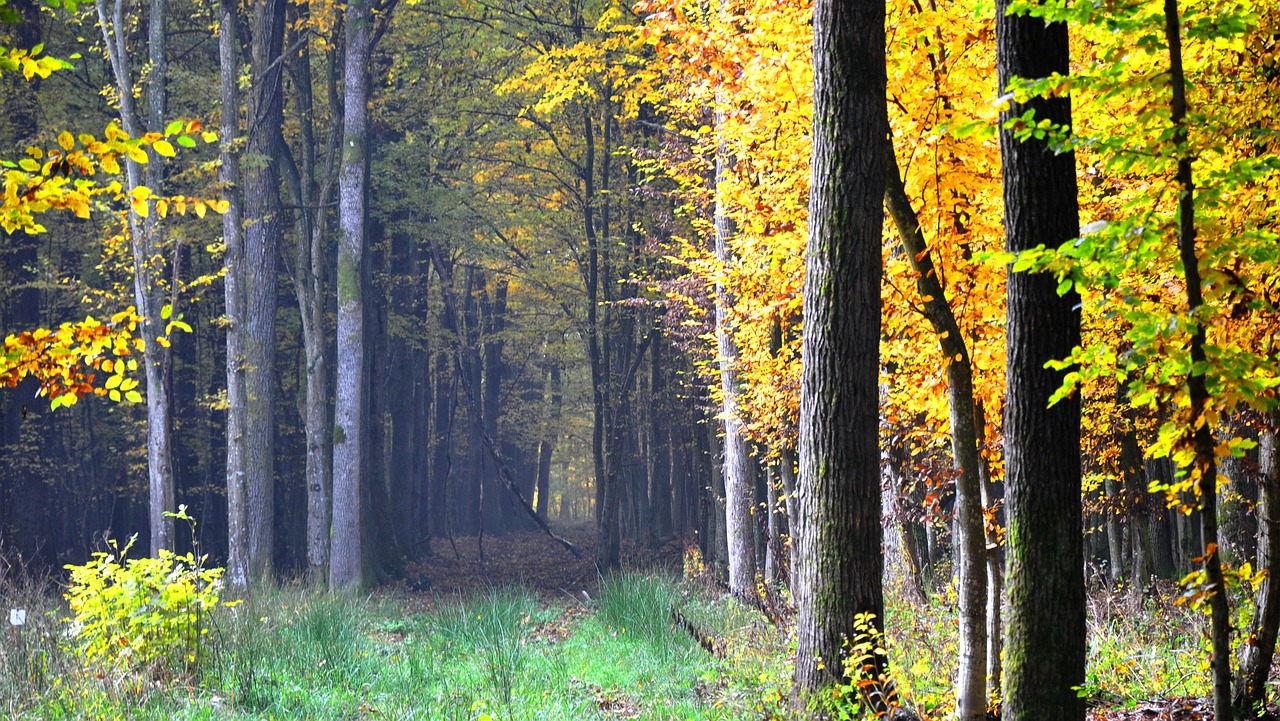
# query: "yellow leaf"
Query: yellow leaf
133,397
200,209
163,147
66,141
137,155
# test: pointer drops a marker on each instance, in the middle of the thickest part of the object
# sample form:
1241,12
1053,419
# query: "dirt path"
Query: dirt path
529,559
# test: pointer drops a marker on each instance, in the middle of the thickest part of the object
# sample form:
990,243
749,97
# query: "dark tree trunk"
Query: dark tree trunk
840,566
1045,629
1259,648
263,229
1201,431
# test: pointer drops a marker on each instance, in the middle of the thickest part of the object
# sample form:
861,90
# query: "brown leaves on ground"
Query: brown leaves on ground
529,559
1172,709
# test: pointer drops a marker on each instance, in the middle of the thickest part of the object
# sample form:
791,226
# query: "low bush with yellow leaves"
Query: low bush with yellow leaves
143,615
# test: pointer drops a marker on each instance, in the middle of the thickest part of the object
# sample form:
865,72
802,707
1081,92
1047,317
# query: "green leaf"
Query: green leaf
186,141
173,128
133,397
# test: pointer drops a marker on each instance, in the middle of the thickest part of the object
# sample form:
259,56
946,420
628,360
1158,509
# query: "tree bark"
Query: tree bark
739,476
970,547
840,565
345,561
1045,629
233,287
1205,471
313,195
1259,648
263,228
146,242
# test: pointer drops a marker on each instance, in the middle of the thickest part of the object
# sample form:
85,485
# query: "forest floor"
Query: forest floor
533,633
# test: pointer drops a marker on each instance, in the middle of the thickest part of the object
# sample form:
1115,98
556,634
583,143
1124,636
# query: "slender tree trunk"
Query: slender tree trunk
234,285
1045,628
970,547
739,476
1205,471
547,447
146,245
1259,648
313,195
839,574
345,571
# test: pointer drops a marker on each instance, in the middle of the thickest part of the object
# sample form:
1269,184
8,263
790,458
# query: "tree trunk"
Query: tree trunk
146,245
263,228
739,476
313,196
345,562
840,568
1205,471
1260,644
1045,628
234,288
970,547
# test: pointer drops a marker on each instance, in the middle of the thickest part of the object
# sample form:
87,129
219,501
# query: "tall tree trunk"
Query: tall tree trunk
1259,648
494,314
234,290
146,244
1205,471
313,195
840,563
263,228
345,561
970,547
739,476
1045,629
548,444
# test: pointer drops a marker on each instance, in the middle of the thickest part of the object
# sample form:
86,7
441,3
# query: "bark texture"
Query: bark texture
345,568
1205,471
840,565
146,241
233,291
739,468
1260,645
1045,627
263,228
970,548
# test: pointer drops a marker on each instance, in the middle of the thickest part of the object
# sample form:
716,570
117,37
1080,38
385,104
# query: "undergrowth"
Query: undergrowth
294,653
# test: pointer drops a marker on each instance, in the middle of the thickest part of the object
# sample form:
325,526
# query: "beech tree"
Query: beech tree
838,525
1045,628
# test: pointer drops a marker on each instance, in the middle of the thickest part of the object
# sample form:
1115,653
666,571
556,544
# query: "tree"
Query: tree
1045,628
233,292
839,534
971,546
345,558
263,228
147,242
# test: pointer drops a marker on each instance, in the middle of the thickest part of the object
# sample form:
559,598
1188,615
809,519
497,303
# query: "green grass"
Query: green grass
292,653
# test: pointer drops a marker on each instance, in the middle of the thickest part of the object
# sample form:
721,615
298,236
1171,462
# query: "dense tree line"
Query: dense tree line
766,277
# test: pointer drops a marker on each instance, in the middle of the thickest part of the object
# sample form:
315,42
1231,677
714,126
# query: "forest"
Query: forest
481,359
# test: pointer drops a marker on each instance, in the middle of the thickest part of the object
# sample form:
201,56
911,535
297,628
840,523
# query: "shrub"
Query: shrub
139,614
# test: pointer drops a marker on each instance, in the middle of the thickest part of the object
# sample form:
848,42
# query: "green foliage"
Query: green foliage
142,614
640,606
